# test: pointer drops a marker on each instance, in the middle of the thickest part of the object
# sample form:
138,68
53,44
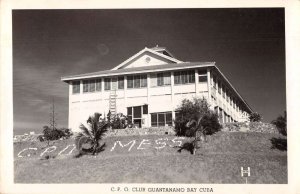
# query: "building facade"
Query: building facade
149,86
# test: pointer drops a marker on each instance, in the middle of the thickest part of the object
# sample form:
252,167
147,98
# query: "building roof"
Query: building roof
162,50
135,70
158,51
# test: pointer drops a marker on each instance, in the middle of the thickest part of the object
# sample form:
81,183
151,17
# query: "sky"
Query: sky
248,45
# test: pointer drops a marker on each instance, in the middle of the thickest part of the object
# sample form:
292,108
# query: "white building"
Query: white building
149,86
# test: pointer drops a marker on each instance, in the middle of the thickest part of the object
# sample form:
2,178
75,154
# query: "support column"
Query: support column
125,93
70,104
218,112
172,97
102,89
81,101
223,116
148,88
208,87
148,100
196,82
102,97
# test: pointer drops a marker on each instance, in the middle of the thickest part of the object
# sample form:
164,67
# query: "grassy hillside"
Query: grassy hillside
158,159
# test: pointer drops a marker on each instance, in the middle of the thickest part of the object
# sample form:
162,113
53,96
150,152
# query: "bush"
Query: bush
118,121
211,121
280,123
193,109
54,134
255,117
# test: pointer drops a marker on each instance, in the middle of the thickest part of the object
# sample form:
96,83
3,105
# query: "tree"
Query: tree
88,139
280,123
195,109
255,117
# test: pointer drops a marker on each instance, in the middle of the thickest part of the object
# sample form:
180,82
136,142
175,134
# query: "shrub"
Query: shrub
67,133
255,117
54,134
280,123
118,121
211,122
192,110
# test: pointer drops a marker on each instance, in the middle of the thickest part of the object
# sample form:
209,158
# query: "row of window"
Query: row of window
160,79
161,119
140,81
225,91
137,81
92,85
184,77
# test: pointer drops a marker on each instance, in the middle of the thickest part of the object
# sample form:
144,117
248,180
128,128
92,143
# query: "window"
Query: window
154,120
223,89
184,77
202,79
145,109
107,83
120,82
219,87
76,87
98,85
227,95
202,76
177,78
91,85
161,79
137,112
85,86
161,119
129,81
129,114
137,81
143,80
215,82
167,78
169,119
134,114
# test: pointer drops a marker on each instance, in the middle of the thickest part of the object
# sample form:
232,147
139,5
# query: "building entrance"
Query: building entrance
135,114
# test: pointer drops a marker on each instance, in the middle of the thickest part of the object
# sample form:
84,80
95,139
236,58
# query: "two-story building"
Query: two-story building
149,86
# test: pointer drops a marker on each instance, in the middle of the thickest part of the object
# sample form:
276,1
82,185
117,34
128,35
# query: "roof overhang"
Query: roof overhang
236,92
139,70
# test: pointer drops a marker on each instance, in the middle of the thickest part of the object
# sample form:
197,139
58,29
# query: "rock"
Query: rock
252,126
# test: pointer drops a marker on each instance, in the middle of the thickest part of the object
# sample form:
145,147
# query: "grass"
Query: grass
218,161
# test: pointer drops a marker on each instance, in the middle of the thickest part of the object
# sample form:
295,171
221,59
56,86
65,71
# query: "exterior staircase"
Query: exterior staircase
113,102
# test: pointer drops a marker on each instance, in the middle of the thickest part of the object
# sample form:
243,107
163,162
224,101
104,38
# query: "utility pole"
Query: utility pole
53,116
